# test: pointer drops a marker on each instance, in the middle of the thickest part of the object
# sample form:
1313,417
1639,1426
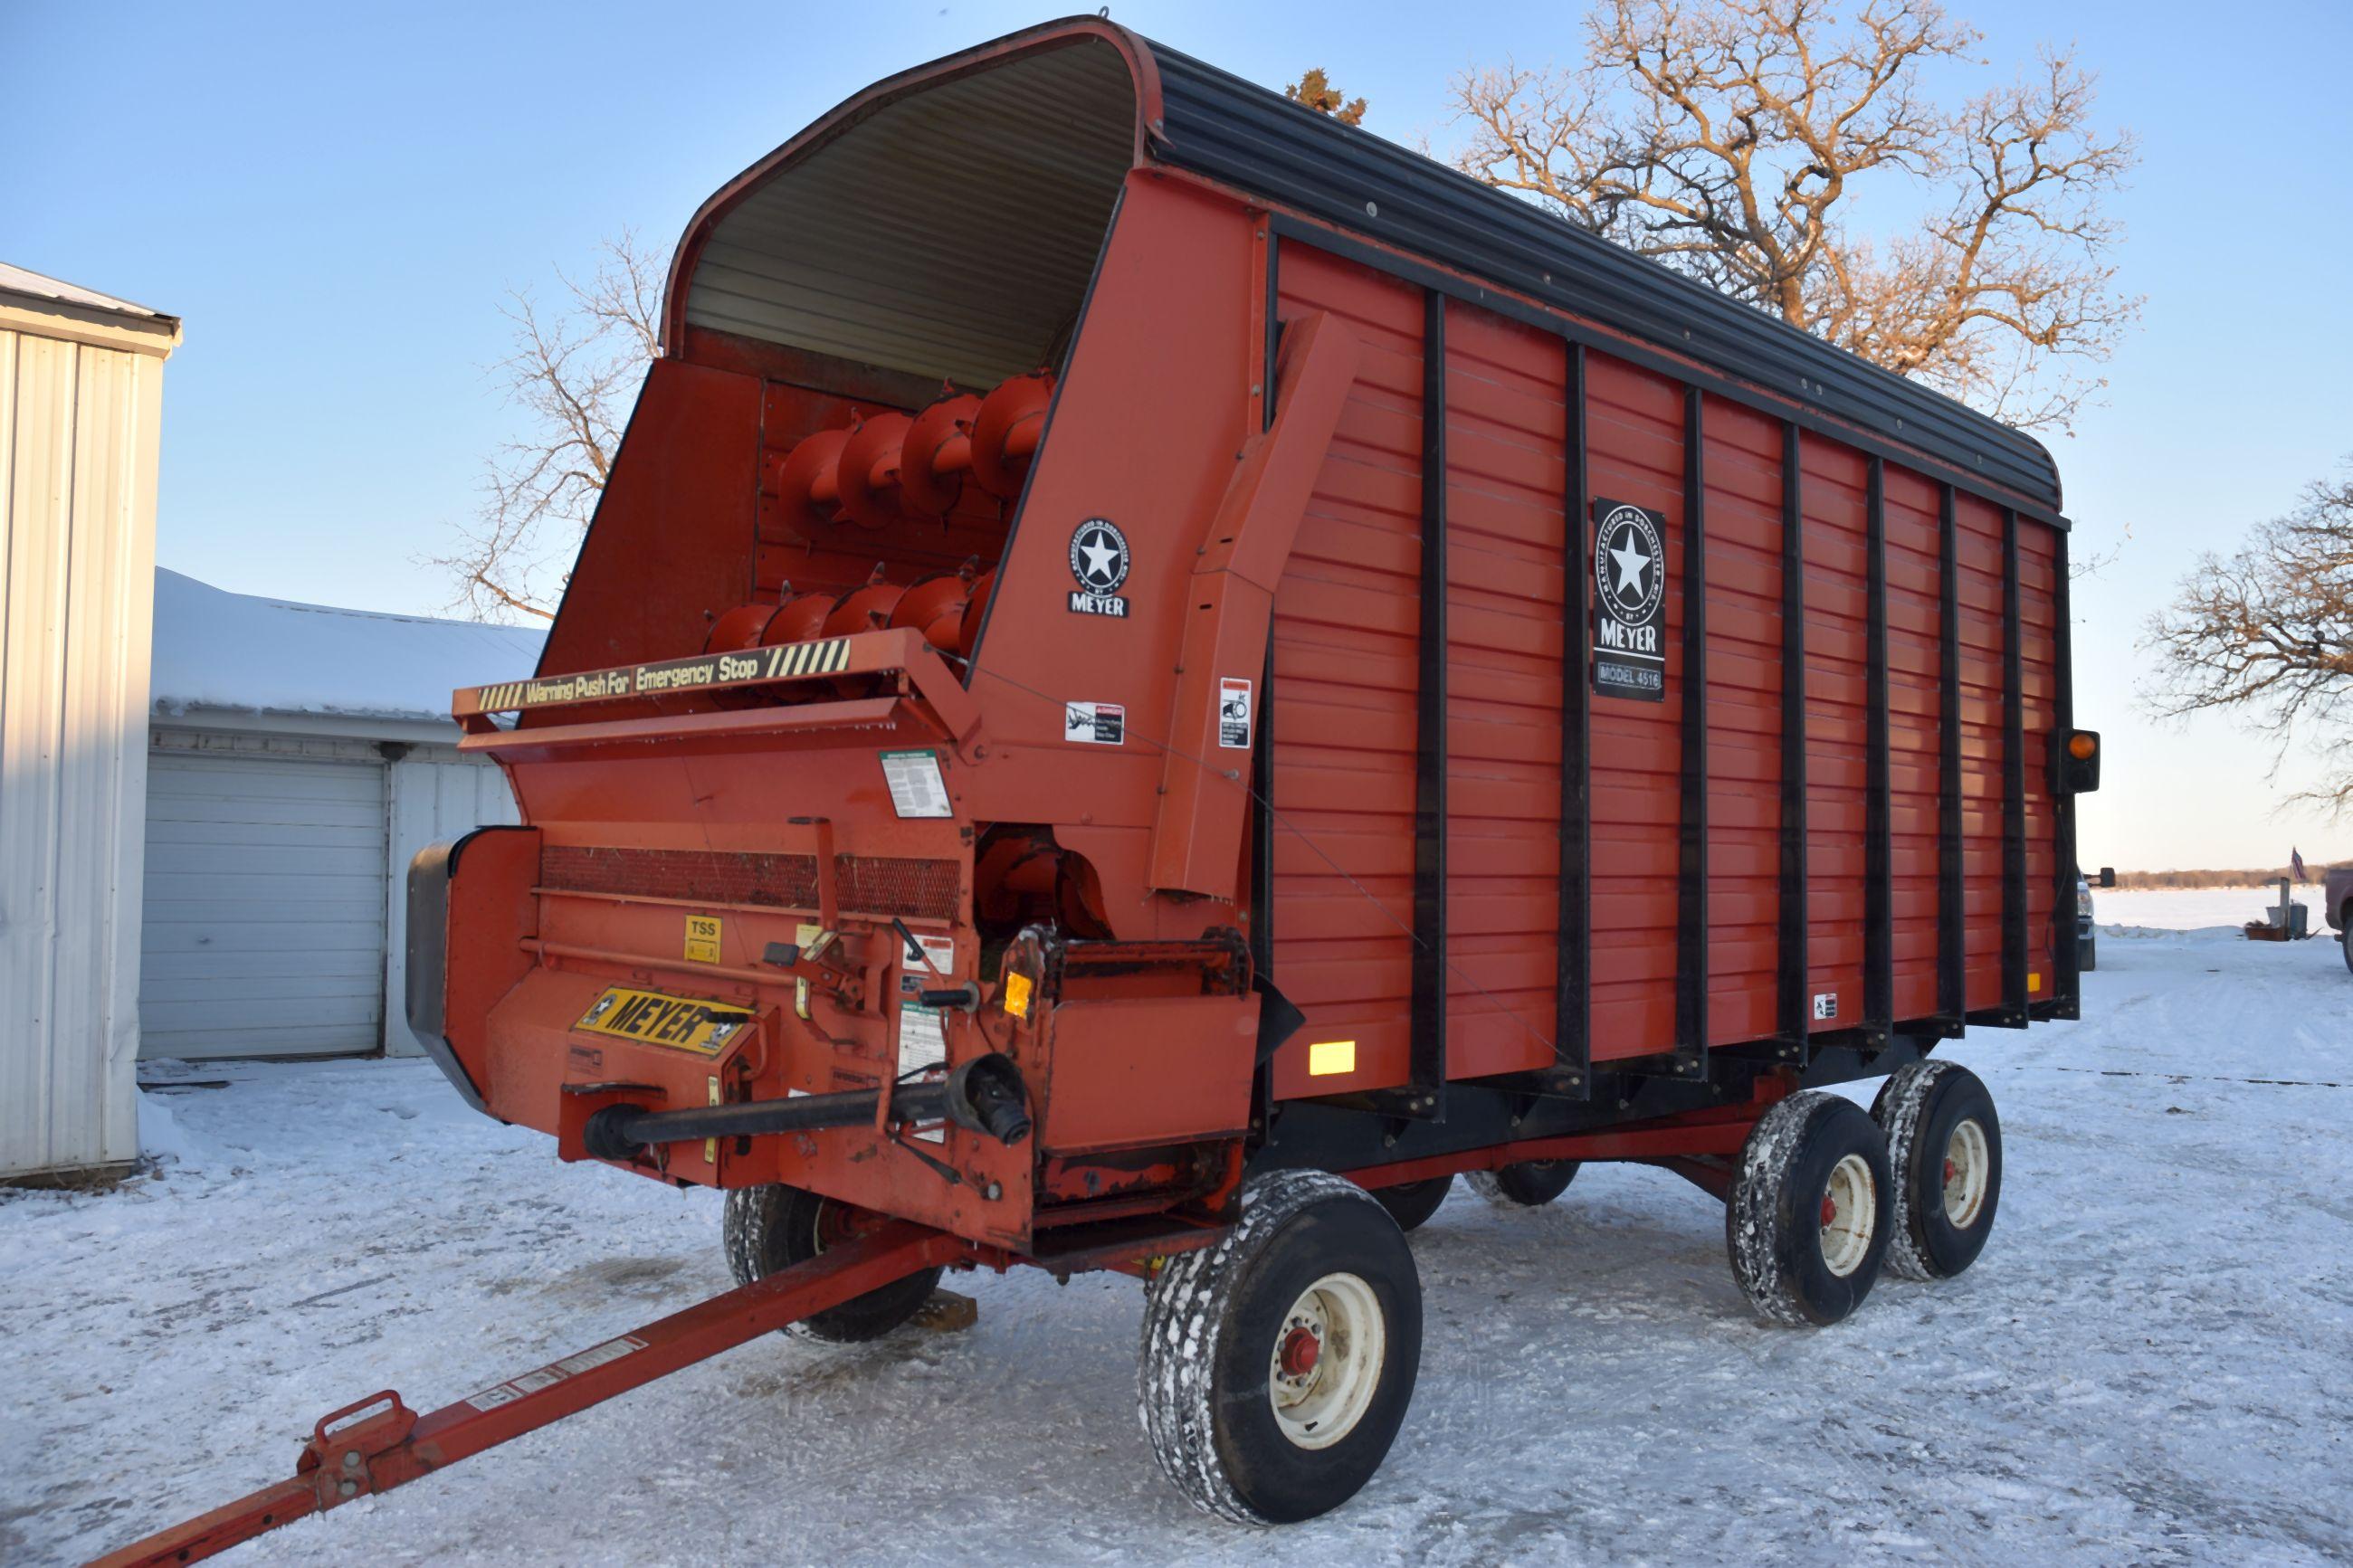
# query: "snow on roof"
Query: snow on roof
17,280
238,651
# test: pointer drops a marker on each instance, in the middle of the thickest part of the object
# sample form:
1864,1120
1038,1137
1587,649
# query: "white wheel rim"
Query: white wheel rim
1849,1215
1326,1360
1968,1166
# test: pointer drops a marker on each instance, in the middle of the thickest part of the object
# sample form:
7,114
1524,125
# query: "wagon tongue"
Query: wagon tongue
379,1443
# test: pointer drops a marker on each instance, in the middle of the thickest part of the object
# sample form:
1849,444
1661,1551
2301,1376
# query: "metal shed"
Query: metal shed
81,382
298,756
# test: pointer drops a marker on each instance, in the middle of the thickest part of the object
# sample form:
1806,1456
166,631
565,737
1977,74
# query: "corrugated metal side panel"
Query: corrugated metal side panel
434,798
1744,718
2038,579
78,427
1235,130
1344,633
265,903
1634,434
1506,580
1838,694
1915,668
1979,556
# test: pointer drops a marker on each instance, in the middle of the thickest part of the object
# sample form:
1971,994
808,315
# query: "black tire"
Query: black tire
1216,1320
1412,1202
1530,1183
1797,1264
1944,1144
2345,938
767,1228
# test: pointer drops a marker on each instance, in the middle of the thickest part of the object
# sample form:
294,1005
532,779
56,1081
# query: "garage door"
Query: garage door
265,907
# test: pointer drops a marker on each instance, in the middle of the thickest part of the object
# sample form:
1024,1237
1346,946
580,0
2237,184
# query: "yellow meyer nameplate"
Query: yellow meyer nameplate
683,1023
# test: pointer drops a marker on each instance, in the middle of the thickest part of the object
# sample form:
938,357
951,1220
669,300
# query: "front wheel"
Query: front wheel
769,1228
1277,1365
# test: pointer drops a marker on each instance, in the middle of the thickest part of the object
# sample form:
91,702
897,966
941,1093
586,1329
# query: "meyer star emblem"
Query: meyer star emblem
1631,564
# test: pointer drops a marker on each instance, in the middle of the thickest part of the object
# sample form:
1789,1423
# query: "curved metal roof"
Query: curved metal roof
1192,116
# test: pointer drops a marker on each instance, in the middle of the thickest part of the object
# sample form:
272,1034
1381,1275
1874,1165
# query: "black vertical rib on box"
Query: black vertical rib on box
1573,1001
2067,988
1952,930
1691,859
1794,1011
1879,805
2015,935
1426,1055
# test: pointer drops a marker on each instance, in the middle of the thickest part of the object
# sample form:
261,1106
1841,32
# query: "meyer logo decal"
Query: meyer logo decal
1099,562
1629,602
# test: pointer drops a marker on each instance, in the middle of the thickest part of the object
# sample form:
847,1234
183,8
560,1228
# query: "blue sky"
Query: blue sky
335,197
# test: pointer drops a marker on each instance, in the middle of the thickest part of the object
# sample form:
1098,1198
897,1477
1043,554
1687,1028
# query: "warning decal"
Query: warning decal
787,661
1095,723
1233,713
916,787
1629,602
554,1372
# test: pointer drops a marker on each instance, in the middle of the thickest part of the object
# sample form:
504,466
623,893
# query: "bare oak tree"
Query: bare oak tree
2266,635
574,371
1732,139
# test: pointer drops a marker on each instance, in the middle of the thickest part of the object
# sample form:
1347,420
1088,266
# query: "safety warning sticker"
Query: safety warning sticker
1233,713
924,964
554,1372
1096,724
916,787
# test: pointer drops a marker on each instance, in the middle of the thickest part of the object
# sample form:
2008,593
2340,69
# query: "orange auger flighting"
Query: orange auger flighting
1408,691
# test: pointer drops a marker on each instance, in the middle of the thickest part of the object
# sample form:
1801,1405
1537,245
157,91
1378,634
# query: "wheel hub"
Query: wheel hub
1968,1172
1850,1215
1326,1360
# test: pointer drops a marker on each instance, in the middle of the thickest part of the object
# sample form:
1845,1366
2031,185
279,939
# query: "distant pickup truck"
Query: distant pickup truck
2337,899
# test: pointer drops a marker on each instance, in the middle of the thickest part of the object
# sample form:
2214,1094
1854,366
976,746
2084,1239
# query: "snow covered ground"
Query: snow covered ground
2192,909
2149,1366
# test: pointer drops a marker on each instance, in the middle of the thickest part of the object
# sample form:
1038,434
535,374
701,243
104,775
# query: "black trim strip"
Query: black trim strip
1573,1001
1273,325
1683,372
1691,859
1428,1050
1228,130
2067,986
2015,935
1952,905
1879,804
1796,1008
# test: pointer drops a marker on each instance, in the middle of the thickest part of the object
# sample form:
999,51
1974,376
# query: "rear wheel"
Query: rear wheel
1278,1364
1530,1183
769,1228
1810,1210
1944,1144
1412,1202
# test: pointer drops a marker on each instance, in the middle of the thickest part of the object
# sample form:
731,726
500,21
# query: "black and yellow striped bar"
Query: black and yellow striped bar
789,661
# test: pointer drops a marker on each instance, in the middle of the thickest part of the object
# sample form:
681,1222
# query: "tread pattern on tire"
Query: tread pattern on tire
1183,1317
750,1215
1756,1260
1903,1098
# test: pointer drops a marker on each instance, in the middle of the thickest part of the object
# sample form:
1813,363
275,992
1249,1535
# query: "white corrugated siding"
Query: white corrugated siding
265,921
77,450
434,796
